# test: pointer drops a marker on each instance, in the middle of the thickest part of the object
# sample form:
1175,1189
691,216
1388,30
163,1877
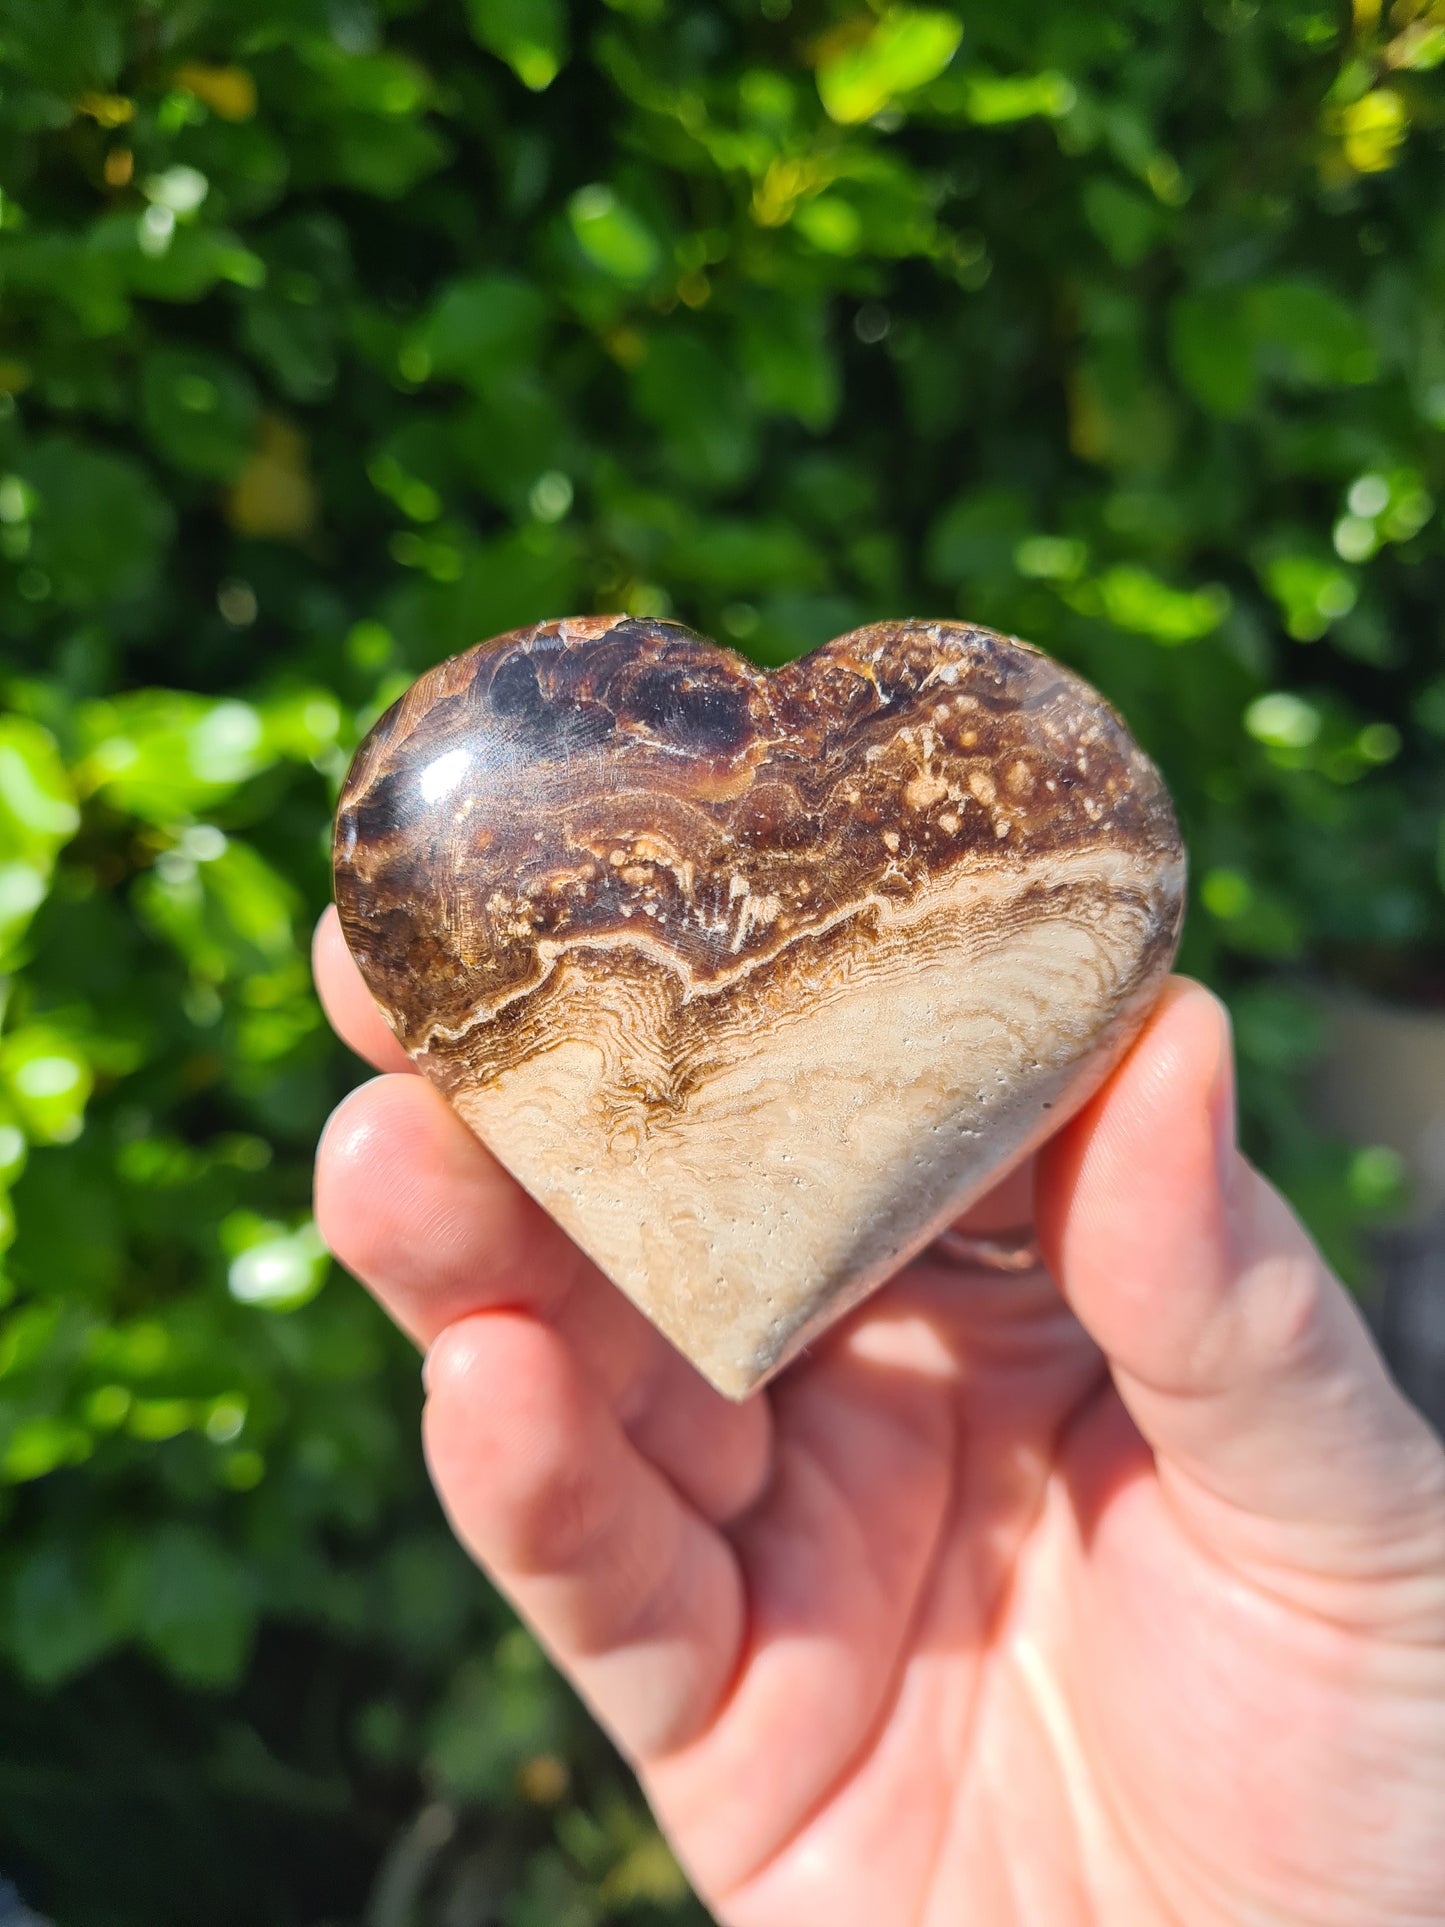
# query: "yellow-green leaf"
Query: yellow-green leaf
908,48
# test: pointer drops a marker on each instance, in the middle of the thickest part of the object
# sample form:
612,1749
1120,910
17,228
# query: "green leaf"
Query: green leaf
1133,598
200,411
101,527
383,158
831,223
1129,225
510,435
222,906
496,586
48,1080
187,1597
38,810
482,328
788,350
531,36
905,50
1312,592
274,1269
152,255
492,1720
293,325
691,394
1212,346
164,755
1308,336
72,46
612,236
976,535
748,557
54,1621
998,100
1225,342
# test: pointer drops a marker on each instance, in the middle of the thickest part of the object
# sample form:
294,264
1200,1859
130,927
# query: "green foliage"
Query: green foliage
336,337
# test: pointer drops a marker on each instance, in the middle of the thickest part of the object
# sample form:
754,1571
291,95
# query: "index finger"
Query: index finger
348,1004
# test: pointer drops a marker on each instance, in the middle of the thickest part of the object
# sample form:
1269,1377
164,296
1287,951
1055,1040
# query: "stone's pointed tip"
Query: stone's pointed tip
752,978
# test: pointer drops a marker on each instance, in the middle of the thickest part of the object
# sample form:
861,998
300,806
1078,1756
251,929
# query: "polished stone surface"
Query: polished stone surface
755,980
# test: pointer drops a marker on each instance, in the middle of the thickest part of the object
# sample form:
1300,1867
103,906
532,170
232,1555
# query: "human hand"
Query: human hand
1117,1602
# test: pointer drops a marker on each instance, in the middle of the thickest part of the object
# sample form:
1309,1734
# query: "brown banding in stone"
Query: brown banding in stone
624,897
591,774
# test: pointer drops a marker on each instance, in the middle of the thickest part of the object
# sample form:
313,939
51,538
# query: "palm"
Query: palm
1006,1683
929,1632
892,1583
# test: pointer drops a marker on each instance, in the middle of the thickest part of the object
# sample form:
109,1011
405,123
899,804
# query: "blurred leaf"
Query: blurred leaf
48,1081
1277,1027
188,1599
976,535
200,411
1373,130
530,35
55,1621
748,556
691,395
483,592
227,91
272,1268
492,1721
1130,226
101,528
386,158
481,327
162,755
329,349
69,47
1309,335
994,100
788,351
1132,598
37,800
293,321
1311,591
274,495
906,49
612,236
1224,343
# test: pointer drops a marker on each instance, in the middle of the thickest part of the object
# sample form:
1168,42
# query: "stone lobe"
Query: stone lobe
755,980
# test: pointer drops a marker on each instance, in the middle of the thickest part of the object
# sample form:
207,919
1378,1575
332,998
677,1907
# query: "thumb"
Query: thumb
1242,1360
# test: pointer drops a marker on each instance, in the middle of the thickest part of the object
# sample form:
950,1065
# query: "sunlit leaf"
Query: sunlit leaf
48,1080
906,49
163,754
530,35
274,1269
997,100
612,236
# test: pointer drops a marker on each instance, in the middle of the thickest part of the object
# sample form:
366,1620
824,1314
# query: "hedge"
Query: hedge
336,335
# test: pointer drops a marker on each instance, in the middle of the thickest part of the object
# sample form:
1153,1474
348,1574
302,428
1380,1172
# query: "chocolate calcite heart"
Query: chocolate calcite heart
756,980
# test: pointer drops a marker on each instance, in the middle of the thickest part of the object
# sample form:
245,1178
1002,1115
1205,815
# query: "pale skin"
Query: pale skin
1113,1594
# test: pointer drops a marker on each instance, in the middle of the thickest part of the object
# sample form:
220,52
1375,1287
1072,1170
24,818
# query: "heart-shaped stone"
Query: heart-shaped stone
756,980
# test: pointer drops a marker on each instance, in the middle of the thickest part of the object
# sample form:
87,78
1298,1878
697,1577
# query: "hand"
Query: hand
1117,1602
